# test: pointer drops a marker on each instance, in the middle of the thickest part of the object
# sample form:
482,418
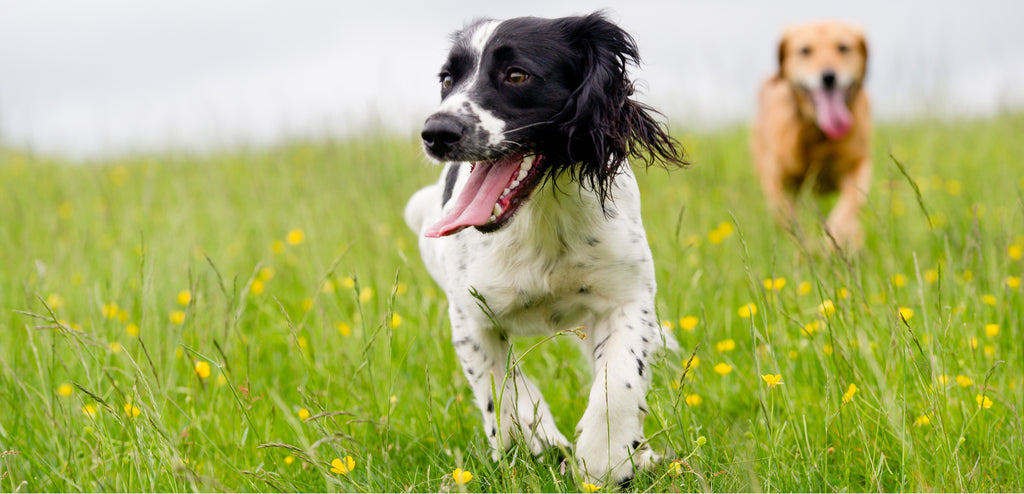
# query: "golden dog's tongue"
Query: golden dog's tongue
834,117
475,203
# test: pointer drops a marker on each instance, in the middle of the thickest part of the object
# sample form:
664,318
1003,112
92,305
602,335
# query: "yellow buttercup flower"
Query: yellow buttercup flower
55,301
177,316
65,389
396,320
991,330
723,368
747,311
343,467
288,460
804,288
295,236
344,329
906,313
922,421
989,300
687,323
89,410
184,297
772,380
827,308
303,414
462,477
774,284
202,369
257,287
132,329
131,411
931,275
983,401
693,362
964,381
693,400
277,246
1013,282
810,328
850,391
1015,252
365,295
590,487
726,345
899,280
266,273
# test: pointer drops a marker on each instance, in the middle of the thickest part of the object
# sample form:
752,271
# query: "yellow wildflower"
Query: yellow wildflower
295,236
184,297
343,467
726,345
306,304
277,246
991,330
115,346
177,316
842,293
723,368
266,273
396,320
943,380
964,381
131,411
590,487
906,313
687,323
803,288
931,275
202,368
983,401
288,460
55,301
850,391
89,410
693,400
827,308
774,284
989,300
365,295
257,287
303,414
65,389
462,477
922,421
693,362
1015,252
348,282
810,328
344,329
109,311
747,311
899,280
1013,282
953,187
133,330
827,349
772,380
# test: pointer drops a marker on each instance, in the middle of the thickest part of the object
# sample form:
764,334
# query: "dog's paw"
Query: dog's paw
612,462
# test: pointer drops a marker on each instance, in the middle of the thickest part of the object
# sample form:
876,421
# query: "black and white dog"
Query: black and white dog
535,225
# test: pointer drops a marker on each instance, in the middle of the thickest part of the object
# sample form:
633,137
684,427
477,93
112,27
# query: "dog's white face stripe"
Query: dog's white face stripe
459,101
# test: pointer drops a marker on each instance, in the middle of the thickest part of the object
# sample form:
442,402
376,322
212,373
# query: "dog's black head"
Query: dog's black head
529,99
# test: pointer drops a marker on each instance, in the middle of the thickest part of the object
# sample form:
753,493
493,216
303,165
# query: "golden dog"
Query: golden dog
813,125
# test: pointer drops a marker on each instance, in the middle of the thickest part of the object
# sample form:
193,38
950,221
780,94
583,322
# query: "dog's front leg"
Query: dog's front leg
843,221
508,401
610,440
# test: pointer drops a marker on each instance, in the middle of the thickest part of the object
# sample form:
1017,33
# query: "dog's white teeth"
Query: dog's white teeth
522,174
497,211
506,191
514,184
527,162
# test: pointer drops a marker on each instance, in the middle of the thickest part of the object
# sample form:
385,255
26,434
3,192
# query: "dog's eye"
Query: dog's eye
805,51
843,47
446,81
516,77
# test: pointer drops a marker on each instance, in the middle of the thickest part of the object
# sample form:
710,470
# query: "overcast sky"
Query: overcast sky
106,76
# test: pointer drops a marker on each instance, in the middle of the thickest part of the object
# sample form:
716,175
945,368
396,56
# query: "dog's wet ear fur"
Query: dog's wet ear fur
603,124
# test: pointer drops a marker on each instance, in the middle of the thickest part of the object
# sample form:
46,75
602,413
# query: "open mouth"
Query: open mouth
831,113
493,194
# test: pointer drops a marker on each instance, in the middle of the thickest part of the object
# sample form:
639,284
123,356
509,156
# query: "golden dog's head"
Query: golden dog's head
825,63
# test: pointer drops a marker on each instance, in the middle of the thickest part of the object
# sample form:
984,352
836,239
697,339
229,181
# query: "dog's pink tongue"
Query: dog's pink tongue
475,203
834,117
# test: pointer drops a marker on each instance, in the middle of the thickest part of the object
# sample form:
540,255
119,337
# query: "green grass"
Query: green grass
270,318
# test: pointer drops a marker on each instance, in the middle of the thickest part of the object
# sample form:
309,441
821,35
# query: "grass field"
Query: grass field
249,320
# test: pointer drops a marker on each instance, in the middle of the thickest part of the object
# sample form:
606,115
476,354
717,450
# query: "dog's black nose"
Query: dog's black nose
440,133
828,79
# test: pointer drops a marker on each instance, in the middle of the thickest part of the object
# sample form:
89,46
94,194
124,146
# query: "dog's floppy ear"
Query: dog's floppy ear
604,125
862,46
783,48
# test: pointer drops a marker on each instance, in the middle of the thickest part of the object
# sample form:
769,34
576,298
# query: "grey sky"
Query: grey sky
115,75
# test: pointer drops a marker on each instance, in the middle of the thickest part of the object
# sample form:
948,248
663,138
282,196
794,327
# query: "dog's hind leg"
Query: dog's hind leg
610,437
511,405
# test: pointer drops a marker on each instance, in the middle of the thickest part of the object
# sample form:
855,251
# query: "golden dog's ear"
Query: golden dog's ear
862,45
782,55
